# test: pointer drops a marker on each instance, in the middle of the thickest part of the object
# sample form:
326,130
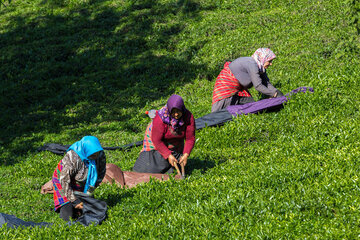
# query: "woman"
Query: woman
163,145
233,82
81,170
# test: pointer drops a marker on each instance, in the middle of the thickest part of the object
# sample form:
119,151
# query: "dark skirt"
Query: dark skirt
153,162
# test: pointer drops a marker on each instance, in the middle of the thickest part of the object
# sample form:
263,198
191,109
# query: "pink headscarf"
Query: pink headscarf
263,55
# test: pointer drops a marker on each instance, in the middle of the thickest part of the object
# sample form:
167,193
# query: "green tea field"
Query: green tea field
70,68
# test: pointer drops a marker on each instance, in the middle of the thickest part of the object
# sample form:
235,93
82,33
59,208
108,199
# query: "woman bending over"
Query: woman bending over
233,82
81,170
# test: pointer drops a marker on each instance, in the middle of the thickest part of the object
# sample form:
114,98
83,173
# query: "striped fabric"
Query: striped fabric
147,143
59,195
227,85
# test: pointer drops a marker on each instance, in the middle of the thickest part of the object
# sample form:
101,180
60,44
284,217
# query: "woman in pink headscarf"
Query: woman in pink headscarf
233,82
164,139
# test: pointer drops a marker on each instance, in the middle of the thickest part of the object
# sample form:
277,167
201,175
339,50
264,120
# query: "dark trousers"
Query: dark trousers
68,211
237,100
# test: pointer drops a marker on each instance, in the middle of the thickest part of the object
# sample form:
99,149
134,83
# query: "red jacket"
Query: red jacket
165,138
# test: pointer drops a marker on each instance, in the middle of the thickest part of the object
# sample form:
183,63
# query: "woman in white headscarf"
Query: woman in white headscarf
233,82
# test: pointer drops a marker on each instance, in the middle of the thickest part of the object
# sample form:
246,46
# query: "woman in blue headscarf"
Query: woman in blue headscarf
81,170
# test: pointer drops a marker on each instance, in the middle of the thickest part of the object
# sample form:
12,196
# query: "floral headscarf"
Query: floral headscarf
263,55
175,101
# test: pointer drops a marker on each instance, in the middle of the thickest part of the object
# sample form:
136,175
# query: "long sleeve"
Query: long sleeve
246,71
190,136
68,171
157,135
262,85
266,82
101,168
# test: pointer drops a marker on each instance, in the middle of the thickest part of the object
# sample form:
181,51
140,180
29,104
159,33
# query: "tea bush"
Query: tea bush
71,68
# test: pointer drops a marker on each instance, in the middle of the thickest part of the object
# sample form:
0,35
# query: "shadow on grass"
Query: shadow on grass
202,165
86,65
114,199
193,165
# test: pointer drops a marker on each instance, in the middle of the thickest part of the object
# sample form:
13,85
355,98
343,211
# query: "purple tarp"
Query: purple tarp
212,119
264,104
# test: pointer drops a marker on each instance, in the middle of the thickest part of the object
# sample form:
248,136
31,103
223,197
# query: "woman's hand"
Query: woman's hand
278,93
172,160
80,206
183,159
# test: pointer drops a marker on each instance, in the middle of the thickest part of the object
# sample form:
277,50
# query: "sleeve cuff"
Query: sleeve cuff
166,155
76,202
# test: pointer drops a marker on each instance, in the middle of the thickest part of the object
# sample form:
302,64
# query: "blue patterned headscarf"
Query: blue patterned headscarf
87,146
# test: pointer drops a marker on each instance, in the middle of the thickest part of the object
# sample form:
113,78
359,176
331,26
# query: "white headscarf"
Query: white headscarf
261,56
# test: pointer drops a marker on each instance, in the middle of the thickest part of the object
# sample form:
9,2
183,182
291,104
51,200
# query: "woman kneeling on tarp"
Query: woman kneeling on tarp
81,170
233,82
163,145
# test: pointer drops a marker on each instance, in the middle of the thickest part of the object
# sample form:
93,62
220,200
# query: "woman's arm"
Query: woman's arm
69,163
101,168
266,82
157,135
189,141
258,82
189,136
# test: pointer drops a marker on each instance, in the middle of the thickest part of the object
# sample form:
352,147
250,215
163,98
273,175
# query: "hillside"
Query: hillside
71,68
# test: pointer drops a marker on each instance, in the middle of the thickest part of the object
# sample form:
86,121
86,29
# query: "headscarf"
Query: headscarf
87,146
261,56
175,101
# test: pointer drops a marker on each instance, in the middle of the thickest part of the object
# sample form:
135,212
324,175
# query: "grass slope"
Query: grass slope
75,67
